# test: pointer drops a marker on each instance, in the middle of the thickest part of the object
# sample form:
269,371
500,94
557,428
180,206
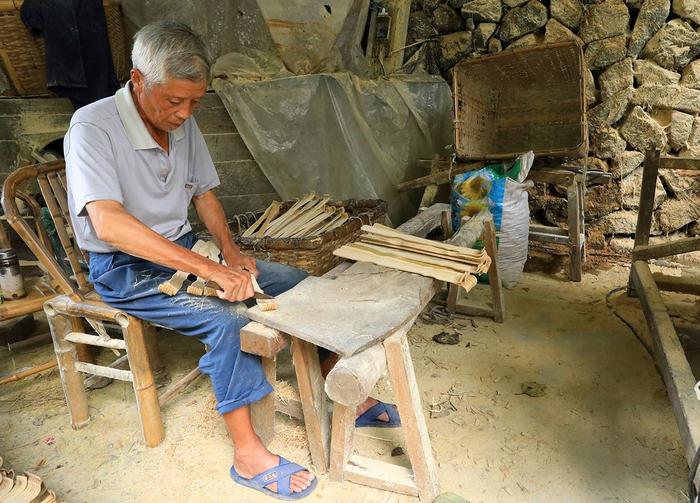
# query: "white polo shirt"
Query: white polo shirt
110,155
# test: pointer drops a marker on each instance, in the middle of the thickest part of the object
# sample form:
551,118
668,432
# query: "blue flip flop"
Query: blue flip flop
282,474
371,417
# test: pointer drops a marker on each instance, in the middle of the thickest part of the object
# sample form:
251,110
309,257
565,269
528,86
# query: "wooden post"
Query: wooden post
71,379
353,378
646,203
144,384
400,11
313,401
343,433
499,310
403,382
262,412
575,229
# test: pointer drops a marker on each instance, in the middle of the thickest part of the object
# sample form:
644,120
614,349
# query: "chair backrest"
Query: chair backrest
51,178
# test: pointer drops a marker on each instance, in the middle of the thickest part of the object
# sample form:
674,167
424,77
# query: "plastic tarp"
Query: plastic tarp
336,133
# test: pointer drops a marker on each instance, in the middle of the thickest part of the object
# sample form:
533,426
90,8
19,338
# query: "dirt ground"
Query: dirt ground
602,432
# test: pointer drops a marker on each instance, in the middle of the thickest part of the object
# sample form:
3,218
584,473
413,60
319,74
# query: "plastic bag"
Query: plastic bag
500,188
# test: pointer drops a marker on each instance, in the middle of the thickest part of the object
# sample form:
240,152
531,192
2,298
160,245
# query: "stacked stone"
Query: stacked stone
642,90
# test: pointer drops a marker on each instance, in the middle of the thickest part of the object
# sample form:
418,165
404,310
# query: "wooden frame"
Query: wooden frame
442,172
670,358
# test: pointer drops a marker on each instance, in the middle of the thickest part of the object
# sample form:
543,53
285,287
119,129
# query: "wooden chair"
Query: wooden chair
66,313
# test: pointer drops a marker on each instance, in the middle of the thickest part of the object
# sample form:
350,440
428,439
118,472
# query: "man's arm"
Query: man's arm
211,213
115,226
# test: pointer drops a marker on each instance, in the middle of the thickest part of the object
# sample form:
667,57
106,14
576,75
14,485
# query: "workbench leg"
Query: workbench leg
342,439
313,402
574,220
452,297
403,382
490,243
263,411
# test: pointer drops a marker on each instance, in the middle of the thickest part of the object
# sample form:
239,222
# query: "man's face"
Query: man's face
166,106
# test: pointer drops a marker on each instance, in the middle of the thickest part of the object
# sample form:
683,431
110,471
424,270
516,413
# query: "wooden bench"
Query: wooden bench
363,361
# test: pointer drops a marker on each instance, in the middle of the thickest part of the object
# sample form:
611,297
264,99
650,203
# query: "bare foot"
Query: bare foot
253,461
369,403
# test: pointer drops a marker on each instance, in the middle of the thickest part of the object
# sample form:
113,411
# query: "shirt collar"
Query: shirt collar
136,130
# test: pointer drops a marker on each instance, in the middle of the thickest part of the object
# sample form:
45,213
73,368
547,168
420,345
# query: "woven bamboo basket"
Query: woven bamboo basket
521,100
312,254
22,54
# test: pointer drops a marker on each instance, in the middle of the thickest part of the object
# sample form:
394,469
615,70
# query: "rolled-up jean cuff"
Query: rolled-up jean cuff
229,405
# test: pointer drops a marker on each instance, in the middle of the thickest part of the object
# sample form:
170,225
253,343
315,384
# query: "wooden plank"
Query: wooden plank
98,370
689,163
670,358
357,310
683,284
290,407
400,11
313,402
403,381
381,475
262,340
676,247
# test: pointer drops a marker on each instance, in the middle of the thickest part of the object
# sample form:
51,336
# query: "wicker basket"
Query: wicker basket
312,254
22,54
521,100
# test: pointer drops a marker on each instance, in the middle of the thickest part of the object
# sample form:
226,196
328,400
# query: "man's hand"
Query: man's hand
234,258
235,282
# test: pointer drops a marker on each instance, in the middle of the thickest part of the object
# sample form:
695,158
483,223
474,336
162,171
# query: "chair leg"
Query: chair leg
144,384
151,338
85,352
263,411
71,379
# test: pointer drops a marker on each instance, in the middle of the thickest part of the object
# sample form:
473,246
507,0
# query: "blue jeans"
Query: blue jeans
131,284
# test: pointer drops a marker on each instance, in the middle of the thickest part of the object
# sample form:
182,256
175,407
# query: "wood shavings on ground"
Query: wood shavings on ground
285,392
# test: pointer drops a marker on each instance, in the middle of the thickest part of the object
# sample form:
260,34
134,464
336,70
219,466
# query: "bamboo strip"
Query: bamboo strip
398,244
318,207
417,257
263,222
288,215
465,280
385,231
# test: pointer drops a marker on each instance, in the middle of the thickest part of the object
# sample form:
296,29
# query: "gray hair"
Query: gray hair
170,50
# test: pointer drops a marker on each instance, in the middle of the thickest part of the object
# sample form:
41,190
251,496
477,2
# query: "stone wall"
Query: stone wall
642,90
28,124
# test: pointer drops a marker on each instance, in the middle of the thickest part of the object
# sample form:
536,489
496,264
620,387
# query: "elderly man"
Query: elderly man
134,163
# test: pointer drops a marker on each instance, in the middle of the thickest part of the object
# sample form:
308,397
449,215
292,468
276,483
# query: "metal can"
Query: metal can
11,282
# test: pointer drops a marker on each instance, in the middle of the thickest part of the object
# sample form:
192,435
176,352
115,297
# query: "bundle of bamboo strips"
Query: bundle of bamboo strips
388,247
23,488
309,216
